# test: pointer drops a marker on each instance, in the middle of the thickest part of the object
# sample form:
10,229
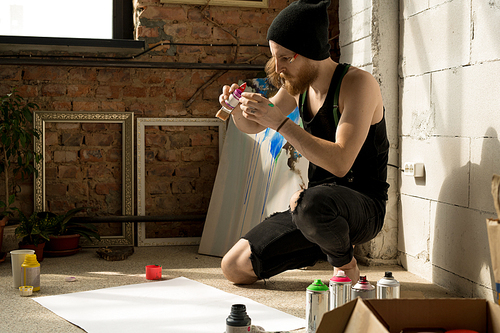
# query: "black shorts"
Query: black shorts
327,222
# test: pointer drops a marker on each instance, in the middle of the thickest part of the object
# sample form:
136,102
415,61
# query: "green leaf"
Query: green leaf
12,198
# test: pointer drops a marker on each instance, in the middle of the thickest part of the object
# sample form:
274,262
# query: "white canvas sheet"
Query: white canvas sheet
176,306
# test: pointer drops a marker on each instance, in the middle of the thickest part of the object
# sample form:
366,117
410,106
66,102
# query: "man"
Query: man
344,204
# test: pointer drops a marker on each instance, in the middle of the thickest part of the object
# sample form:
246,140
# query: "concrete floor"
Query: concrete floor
285,292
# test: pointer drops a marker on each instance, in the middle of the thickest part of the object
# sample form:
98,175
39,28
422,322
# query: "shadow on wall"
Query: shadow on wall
460,252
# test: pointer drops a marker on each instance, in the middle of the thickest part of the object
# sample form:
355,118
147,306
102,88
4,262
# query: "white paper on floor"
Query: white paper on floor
179,305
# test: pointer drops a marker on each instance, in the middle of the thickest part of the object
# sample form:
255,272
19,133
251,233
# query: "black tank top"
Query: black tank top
368,174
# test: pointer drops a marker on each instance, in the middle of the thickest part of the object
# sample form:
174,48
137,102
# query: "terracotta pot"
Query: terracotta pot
63,243
38,250
3,222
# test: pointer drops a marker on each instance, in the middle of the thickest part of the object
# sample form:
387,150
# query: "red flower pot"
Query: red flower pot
64,245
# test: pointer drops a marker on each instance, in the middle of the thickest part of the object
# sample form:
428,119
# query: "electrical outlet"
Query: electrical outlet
409,169
414,169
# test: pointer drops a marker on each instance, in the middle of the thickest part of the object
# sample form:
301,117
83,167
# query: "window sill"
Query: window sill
15,44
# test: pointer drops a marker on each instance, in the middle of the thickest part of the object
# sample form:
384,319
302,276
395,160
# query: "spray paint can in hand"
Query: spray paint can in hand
317,303
231,103
340,290
363,289
238,320
388,287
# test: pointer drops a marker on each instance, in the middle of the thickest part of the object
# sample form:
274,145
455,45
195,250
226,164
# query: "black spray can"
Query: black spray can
363,289
238,320
388,287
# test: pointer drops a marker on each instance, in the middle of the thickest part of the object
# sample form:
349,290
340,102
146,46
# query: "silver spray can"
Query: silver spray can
317,295
340,290
363,289
388,287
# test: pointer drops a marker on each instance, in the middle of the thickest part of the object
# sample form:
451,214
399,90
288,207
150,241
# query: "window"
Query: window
95,19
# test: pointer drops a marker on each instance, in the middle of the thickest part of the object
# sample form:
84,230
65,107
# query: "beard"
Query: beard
295,85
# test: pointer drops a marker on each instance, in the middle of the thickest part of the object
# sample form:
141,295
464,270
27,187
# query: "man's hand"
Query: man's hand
261,110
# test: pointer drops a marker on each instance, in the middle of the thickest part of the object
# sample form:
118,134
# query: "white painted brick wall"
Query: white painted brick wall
485,161
357,53
450,119
356,27
446,169
436,38
417,118
486,24
414,227
465,100
348,9
459,244
412,7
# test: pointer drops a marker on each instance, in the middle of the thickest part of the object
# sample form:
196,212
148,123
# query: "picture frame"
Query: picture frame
126,119
142,123
229,3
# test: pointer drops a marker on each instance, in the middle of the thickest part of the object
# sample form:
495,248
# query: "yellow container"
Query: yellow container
30,272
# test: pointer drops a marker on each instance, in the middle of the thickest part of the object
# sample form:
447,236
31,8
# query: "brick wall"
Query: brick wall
83,160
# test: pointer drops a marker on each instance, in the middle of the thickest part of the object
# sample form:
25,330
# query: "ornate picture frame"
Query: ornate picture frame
230,3
126,119
142,240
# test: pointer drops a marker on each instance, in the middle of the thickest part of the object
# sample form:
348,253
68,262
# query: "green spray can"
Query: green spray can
317,303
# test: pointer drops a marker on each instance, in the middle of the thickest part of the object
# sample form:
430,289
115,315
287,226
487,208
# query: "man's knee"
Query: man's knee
294,200
236,265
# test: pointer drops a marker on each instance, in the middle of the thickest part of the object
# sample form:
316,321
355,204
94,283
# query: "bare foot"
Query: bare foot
351,270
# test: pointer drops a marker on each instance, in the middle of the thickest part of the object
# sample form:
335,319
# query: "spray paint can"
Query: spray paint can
388,287
238,320
317,303
340,290
363,289
30,272
231,103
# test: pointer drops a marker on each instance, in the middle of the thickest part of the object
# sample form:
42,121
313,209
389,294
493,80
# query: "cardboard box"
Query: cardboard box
394,315
493,228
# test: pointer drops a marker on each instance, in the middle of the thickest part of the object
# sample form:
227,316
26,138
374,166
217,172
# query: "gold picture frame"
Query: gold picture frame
142,240
229,3
127,121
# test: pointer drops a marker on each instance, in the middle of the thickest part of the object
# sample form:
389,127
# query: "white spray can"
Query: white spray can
388,287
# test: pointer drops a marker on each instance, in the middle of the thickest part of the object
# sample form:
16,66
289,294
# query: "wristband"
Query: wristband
281,125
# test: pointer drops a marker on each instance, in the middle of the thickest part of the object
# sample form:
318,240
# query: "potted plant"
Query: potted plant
66,234
34,231
16,149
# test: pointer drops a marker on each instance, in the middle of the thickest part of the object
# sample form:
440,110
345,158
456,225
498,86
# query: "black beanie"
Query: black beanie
303,28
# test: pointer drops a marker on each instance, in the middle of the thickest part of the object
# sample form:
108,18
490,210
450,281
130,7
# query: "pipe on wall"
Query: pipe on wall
131,64
123,219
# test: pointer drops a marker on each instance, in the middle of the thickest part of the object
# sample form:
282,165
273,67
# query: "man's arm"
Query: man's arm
360,105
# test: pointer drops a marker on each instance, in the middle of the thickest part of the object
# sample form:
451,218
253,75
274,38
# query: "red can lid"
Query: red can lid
340,277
